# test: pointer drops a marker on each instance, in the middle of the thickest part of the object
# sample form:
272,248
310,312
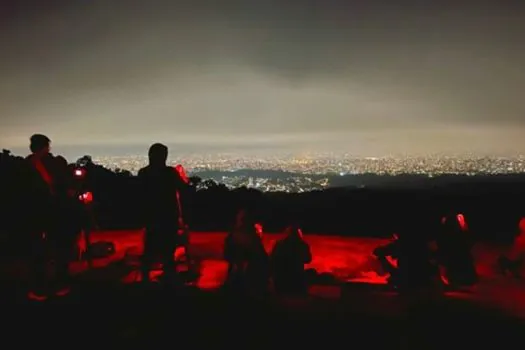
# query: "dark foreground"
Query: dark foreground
106,308
123,315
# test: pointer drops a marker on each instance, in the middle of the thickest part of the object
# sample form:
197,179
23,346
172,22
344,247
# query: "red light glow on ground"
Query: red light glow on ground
347,259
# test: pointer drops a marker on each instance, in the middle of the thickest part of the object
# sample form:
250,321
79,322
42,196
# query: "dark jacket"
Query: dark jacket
158,199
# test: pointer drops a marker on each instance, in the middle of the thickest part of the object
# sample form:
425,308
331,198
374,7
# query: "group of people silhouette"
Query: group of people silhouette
57,214
412,259
250,267
58,211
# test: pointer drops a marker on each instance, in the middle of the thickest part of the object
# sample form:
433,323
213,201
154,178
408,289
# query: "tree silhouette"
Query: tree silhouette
210,184
85,161
123,172
195,181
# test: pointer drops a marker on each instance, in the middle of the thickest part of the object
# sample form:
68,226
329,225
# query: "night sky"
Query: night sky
370,77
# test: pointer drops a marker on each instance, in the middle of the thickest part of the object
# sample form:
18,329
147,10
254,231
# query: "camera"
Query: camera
81,187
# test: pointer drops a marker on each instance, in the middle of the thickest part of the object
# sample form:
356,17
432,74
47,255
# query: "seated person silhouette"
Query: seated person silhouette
387,256
288,258
408,261
162,189
248,262
513,262
454,252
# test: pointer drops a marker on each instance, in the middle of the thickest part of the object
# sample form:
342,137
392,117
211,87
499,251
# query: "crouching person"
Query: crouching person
408,261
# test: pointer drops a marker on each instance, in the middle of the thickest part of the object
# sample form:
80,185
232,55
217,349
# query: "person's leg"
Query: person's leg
236,275
230,273
148,254
64,256
468,275
168,246
38,286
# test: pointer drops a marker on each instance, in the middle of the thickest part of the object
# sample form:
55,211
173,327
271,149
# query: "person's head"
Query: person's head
158,154
240,218
40,144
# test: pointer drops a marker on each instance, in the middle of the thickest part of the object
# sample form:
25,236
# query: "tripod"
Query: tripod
86,199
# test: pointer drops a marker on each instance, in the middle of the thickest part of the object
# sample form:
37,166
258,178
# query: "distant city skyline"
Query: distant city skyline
309,172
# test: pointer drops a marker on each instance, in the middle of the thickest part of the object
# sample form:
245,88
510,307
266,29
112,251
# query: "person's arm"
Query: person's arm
307,253
182,194
141,197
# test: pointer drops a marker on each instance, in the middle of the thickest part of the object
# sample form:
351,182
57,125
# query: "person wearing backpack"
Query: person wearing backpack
46,192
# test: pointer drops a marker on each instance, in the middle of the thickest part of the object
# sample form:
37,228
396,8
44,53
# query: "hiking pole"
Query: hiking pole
85,196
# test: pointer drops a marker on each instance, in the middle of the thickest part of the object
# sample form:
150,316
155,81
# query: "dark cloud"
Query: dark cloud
291,73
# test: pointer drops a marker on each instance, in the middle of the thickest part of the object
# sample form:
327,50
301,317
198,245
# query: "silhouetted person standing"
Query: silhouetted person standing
46,189
288,259
162,189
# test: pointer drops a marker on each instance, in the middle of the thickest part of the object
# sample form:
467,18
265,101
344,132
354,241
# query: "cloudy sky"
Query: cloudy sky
369,77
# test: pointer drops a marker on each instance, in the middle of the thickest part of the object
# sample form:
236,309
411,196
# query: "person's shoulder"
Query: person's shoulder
27,162
27,165
46,158
168,171
143,171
